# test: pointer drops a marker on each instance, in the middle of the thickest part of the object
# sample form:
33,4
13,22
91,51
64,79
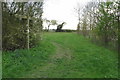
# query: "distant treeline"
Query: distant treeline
63,30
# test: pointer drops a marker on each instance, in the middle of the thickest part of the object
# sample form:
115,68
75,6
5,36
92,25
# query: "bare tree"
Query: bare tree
50,22
78,11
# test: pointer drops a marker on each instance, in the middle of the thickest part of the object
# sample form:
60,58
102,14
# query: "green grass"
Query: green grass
87,60
20,62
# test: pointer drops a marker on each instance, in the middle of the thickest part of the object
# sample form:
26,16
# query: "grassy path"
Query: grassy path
62,55
45,71
61,52
77,57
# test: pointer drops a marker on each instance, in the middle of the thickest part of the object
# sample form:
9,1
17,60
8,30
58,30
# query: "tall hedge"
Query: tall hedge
14,28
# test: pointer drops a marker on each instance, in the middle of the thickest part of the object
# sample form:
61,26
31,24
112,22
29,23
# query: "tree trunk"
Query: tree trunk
89,32
48,28
28,41
106,40
118,36
78,28
0,25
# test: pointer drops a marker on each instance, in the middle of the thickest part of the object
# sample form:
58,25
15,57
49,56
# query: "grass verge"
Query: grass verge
20,62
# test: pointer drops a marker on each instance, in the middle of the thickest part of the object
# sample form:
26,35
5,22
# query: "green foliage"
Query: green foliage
14,22
106,27
13,33
102,22
50,22
53,22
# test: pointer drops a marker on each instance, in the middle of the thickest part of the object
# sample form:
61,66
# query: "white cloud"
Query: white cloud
62,10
